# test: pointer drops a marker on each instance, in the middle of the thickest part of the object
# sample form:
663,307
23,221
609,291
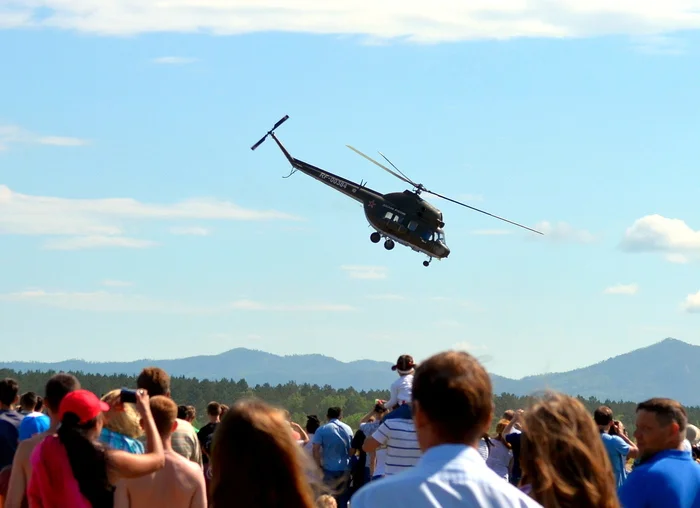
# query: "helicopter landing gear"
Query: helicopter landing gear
389,244
375,237
427,262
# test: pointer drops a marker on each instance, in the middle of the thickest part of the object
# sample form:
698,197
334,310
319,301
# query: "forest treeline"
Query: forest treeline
299,399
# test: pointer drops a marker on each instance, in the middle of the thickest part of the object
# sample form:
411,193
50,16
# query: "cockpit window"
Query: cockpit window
440,236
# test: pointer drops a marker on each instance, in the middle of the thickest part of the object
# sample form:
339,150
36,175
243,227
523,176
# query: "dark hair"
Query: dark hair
334,412
39,403
88,460
254,436
9,388
57,387
182,412
667,411
28,400
312,424
214,409
453,390
155,381
603,415
405,362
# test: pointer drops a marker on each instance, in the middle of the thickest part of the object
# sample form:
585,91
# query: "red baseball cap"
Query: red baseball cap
83,403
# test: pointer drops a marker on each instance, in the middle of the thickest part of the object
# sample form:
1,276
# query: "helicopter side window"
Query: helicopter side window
388,215
412,225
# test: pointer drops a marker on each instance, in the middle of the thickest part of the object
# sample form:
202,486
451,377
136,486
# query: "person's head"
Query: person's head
404,365
124,420
224,410
252,437
191,413
603,417
164,412
563,458
57,387
214,411
326,501
9,392
182,412
660,425
28,401
508,415
155,381
452,400
312,424
500,427
334,413
81,416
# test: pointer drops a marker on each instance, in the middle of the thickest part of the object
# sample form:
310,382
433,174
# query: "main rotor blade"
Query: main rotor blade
381,165
482,211
397,169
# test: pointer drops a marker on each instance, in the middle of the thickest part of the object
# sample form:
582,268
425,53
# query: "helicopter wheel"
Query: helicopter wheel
375,237
389,244
426,263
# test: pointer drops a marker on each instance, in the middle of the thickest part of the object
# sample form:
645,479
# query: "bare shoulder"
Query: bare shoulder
184,464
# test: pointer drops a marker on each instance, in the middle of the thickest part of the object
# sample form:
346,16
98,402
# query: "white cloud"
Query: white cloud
190,231
100,222
103,301
622,289
174,60
15,135
116,283
440,20
658,45
655,233
386,297
365,272
97,242
469,347
563,232
692,303
677,258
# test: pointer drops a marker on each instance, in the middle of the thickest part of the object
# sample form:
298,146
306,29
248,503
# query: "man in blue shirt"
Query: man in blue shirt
667,476
332,449
616,442
9,421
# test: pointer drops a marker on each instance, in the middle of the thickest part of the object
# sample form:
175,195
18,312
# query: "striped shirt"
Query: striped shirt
399,436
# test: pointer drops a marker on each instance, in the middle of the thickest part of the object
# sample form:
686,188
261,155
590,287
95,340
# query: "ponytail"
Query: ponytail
88,461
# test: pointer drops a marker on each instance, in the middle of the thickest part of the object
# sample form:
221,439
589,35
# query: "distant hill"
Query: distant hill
667,368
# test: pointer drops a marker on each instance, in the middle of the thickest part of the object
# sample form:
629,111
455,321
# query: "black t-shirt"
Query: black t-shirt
204,435
514,440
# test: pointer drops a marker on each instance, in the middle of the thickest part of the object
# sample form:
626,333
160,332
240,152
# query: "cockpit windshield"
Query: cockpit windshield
440,236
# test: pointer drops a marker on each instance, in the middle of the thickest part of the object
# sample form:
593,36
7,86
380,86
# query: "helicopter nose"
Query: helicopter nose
445,250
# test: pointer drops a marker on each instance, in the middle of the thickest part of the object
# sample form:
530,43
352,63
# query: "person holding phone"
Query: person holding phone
617,444
72,468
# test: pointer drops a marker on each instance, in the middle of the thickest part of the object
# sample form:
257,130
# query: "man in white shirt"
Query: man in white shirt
452,408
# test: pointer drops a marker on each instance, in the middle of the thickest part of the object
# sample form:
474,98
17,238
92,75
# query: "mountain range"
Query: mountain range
666,369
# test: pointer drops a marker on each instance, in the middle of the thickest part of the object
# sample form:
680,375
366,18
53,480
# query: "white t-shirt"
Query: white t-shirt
499,458
401,391
380,465
399,436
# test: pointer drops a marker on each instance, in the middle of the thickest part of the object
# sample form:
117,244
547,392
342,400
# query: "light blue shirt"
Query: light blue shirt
335,439
617,450
446,476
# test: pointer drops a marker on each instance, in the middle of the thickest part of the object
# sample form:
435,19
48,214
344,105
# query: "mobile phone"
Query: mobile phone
128,396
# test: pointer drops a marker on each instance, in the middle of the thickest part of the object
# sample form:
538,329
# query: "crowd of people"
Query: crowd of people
429,445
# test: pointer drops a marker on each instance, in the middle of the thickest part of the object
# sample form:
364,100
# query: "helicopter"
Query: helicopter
398,217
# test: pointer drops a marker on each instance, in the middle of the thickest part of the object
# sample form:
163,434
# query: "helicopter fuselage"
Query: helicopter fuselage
403,217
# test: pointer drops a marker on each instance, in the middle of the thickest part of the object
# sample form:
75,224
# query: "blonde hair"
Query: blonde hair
500,427
563,458
126,422
326,501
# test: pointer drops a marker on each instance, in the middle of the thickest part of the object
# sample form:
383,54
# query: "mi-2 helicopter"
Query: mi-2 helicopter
398,217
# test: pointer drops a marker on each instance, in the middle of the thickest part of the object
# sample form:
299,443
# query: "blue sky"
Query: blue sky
136,222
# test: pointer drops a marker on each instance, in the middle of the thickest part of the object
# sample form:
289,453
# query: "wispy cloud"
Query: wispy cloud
386,297
16,135
692,303
190,231
622,289
411,20
97,242
93,223
658,45
679,259
174,60
116,283
491,232
365,272
103,301
562,232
